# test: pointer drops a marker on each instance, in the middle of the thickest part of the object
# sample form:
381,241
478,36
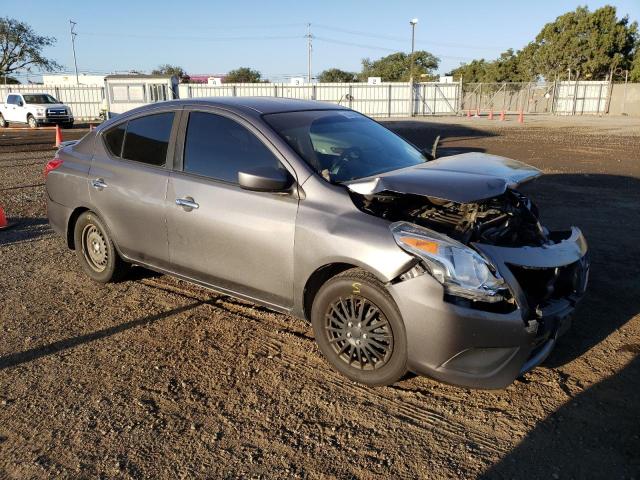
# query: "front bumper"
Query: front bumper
54,121
480,349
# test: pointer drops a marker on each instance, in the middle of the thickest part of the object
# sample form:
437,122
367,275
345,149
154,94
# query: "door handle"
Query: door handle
188,203
98,183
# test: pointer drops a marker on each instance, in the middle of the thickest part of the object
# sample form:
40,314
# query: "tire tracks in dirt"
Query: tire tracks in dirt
417,415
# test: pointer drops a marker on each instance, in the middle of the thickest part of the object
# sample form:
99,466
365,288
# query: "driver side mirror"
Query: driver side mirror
20,103
265,179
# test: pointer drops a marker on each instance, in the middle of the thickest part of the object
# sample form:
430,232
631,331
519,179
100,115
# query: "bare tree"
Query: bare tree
21,48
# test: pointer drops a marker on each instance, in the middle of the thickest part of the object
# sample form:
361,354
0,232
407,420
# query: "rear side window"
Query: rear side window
147,139
114,138
219,148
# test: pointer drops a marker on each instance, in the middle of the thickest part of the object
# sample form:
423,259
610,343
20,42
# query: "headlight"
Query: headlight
40,112
461,270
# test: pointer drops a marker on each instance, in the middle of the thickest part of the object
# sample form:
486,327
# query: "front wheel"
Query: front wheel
96,251
31,120
359,329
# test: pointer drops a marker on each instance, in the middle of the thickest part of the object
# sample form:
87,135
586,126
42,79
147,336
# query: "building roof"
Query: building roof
136,75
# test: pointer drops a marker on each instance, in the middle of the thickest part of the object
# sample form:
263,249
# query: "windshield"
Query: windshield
39,98
342,145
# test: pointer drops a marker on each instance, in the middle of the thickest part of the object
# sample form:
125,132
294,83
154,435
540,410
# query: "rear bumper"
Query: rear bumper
480,349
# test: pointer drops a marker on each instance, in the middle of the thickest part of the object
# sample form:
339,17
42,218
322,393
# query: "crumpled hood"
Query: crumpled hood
462,178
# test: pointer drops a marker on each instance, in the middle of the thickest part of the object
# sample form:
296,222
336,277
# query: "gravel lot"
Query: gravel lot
154,377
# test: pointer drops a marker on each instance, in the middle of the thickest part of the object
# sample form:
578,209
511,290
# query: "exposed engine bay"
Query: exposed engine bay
509,220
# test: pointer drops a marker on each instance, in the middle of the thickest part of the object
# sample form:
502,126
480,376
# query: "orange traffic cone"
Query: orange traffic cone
58,136
521,117
477,112
502,116
491,114
4,224
91,127
468,113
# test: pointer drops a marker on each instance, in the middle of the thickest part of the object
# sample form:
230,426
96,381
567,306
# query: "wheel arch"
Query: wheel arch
71,225
324,273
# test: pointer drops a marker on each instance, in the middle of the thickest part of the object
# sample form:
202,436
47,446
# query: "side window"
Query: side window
12,99
219,148
147,139
114,138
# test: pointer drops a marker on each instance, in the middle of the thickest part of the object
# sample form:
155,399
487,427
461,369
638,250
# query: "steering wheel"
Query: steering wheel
346,155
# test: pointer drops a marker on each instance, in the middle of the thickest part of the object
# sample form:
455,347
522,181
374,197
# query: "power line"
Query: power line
205,39
374,47
400,39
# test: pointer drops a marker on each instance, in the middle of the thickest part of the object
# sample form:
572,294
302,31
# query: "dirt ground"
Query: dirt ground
154,377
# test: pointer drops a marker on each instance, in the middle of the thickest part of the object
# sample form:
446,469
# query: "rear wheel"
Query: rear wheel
96,251
3,122
31,120
359,329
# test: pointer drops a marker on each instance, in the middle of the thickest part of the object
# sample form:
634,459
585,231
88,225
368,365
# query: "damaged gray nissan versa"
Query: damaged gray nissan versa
401,262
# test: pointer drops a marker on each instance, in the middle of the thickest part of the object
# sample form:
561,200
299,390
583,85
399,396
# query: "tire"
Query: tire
32,122
354,349
3,122
95,250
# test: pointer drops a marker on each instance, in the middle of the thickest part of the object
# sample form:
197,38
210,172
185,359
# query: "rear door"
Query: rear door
238,240
128,184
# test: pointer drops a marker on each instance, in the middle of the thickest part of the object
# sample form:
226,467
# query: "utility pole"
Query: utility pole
309,49
413,22
72,25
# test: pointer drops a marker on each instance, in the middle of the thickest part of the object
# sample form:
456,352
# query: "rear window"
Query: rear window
114,138
145,139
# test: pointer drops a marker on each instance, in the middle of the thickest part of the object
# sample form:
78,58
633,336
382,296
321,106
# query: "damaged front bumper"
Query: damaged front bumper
464,345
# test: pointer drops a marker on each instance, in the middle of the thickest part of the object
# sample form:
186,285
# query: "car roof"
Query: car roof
253,106
263,105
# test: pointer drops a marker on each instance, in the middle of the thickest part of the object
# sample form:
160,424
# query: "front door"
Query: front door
237,240
12,110
128,185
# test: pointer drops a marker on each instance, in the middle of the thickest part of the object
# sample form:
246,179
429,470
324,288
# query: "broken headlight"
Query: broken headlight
461,270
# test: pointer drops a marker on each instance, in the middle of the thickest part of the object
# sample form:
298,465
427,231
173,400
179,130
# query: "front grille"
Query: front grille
56,113
542,285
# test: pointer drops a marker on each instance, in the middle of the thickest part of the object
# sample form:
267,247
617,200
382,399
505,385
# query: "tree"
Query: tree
397,67
335,75
243,75
591,44
509,67
167,69
472,72
7,80
21,48
634,73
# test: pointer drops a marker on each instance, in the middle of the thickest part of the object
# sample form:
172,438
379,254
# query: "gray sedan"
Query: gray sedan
400,261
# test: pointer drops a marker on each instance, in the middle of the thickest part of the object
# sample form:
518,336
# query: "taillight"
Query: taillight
52,165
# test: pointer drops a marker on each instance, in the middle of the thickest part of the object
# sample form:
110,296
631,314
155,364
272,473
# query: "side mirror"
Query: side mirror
20,103
265,179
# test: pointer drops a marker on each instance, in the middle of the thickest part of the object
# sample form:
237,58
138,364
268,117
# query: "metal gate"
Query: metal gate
581,98
382,100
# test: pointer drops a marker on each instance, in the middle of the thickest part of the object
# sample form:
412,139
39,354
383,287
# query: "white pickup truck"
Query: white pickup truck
34,109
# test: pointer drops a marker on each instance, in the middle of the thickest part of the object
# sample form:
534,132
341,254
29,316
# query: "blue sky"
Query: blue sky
214,37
